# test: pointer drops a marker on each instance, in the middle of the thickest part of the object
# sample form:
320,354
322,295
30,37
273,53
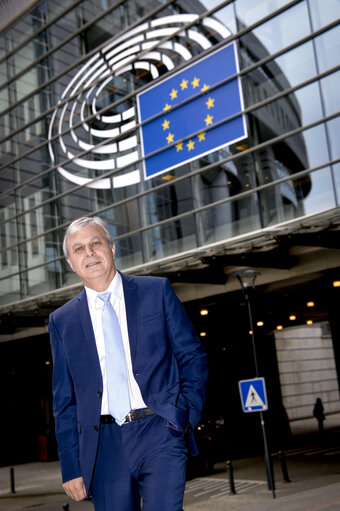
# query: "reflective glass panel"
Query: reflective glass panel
227,180
224,15
123,219
44,278
286,71
328,49
315,144
169,201
129,251
248,11
275,34
10,289
330,86
230,219
321,195
172,238
324,12
305,150
298,197
287,113
38,249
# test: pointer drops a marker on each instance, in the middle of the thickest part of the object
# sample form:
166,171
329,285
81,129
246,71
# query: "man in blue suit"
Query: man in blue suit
134,459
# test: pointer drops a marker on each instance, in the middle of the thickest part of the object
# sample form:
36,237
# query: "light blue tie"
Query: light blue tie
116,373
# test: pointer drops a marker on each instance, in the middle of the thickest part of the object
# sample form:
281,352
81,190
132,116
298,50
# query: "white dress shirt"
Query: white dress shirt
118,302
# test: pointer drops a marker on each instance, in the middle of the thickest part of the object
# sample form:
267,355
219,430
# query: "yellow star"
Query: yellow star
166,124
184,84
205,87
190,145
208,120
173,94
195,83
210,102
179,146
201,136
170,138
166,108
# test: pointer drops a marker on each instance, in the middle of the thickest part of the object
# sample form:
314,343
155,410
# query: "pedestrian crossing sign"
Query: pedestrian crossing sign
253,395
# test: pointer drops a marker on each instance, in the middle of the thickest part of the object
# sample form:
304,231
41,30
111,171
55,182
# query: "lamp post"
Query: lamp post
247,280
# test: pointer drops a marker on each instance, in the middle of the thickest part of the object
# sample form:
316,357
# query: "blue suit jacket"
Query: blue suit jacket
168,362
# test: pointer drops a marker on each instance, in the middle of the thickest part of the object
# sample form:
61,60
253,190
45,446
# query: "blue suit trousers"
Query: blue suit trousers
140,465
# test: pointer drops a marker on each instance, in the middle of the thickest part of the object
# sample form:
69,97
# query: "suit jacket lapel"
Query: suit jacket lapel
87,329
130,296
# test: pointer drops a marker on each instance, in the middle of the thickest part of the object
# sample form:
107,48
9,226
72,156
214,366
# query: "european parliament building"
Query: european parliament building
206,134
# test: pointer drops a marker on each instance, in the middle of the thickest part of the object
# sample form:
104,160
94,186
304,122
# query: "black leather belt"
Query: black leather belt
134,415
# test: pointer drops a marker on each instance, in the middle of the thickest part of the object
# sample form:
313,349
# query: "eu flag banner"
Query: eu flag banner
189,129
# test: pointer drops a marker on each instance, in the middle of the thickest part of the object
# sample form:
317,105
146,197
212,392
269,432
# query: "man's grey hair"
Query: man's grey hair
78,224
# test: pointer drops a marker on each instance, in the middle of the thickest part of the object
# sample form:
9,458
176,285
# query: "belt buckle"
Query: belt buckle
134,415
128,417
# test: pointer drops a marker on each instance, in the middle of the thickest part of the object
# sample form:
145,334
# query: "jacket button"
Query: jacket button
99,393
95,428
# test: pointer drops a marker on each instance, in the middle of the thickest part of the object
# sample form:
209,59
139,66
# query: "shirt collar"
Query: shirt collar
115,288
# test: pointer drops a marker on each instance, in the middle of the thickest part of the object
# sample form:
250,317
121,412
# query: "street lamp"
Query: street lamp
247,280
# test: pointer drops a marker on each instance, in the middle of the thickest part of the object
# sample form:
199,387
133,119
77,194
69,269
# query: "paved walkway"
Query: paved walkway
313,467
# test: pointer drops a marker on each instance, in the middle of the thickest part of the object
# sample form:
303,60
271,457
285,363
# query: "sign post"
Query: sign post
254,399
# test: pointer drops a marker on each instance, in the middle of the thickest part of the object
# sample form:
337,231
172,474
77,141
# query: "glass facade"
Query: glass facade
72,135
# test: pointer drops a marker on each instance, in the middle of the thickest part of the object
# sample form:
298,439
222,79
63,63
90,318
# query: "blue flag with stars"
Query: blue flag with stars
185,116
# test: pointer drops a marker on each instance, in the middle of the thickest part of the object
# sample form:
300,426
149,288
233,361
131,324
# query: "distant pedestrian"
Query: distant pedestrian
318,413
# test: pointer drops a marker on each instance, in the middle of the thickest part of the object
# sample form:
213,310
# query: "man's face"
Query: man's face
91,257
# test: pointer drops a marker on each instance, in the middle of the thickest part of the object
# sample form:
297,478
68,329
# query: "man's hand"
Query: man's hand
75,488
